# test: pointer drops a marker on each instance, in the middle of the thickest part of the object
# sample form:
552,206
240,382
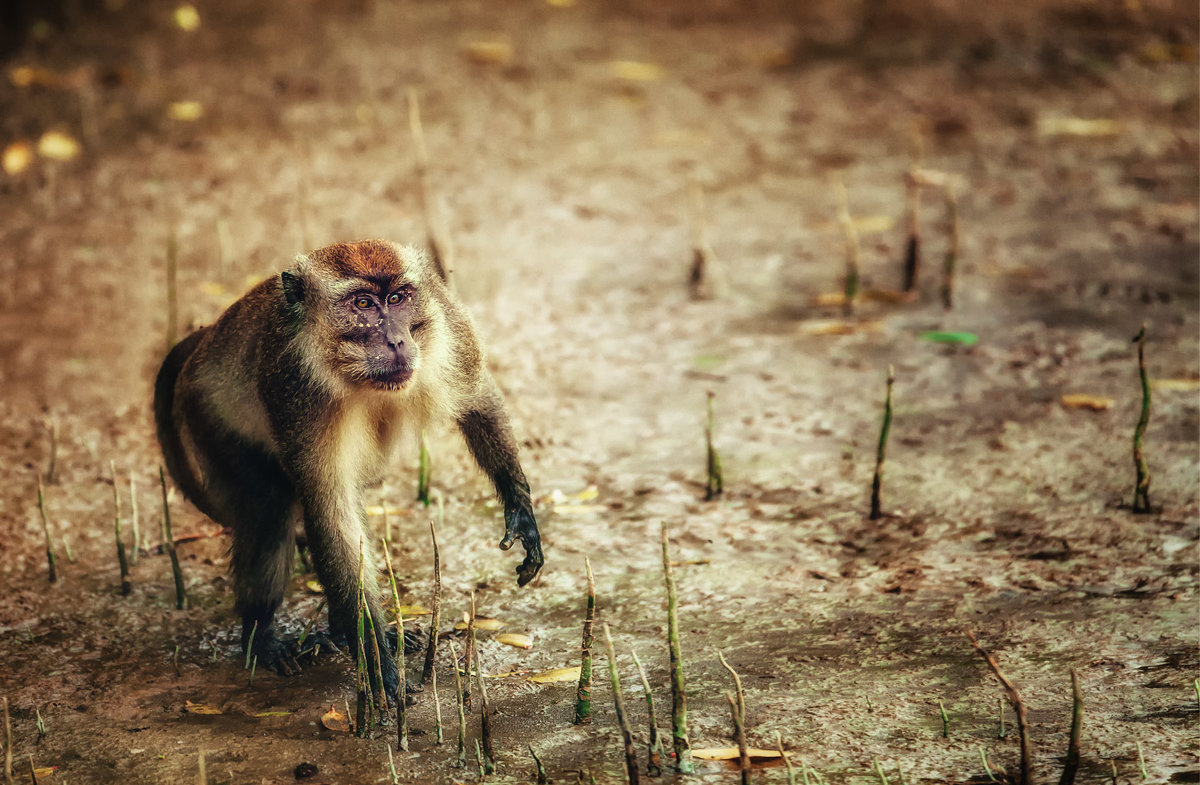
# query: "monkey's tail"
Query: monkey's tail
169,437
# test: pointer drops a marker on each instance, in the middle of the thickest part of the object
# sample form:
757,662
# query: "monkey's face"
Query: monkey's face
377,320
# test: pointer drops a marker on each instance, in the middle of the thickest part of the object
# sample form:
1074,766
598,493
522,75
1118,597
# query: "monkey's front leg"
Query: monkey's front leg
491,441
334,528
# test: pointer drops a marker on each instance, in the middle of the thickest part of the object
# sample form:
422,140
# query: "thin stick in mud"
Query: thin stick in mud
737,701
41,497
1018,706
912,205
1071,766
880,450
704,281
853,251
679,731
715,485
462,715
540,771
435,618
632,775
169,544
362,705
123,561
1141,488
485,713
402,689
423,472
655,746
950,263
133,521
583,692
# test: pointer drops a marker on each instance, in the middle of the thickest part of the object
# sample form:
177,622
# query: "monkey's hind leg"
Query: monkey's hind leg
257,500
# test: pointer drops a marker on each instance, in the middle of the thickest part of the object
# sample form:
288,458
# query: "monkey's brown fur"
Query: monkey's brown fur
291,402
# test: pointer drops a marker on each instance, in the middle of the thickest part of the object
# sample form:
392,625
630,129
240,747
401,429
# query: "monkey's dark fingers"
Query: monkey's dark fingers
534,560
414,641
279,656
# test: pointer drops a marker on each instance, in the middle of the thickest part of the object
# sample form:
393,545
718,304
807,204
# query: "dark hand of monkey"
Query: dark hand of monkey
519,524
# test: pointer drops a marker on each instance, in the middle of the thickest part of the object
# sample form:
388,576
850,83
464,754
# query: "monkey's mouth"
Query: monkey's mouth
390,379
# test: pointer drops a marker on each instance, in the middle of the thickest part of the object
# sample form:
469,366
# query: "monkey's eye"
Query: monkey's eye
363,302
395,298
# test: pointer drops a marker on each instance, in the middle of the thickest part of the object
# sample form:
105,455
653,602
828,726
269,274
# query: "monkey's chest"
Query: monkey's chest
366,438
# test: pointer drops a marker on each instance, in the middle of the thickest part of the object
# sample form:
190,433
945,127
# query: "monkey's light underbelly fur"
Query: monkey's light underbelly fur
290,404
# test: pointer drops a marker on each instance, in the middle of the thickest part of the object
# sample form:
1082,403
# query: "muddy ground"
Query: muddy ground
563,181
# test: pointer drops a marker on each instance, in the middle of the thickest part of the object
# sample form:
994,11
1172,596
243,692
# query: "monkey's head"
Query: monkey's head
362,311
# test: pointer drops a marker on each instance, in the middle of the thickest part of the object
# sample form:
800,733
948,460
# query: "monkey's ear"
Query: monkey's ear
293,287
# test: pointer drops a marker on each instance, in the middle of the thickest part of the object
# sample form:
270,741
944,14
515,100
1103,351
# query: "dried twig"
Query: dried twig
1141,490
583,692
683,752
1073,752
169,544
126,585
41,496
715,484
402,689
632,775
853,252
738,702
1018,706
435,618
485,712
436,234
877,482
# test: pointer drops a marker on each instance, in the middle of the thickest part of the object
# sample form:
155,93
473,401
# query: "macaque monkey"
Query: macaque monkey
290,404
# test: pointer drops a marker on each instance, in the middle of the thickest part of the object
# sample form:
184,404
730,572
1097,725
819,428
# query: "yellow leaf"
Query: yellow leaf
58,146
839,327
414,610
556,675
828,299
489,52
482,623
187,17
273,714
578,509
1077,126
1096,403
22,75
185,111
375,509
314,586
634,71
517,639
200,708
1181,385
17,158
335,721
44,771
731,753
561,3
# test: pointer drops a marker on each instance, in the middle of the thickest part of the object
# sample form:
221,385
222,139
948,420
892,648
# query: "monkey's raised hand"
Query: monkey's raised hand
519,524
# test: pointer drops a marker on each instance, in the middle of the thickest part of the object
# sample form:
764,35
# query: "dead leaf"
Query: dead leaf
520,640
314,586
335,721
376,509
44,771
1077,126
31,75
185,111
1179,385
187,18
17,158
482,623
578,509
273,714
58,146
867,224
415,610
839,327
633,71
561,3
556,675
731,753
493,52
1096,403
200,708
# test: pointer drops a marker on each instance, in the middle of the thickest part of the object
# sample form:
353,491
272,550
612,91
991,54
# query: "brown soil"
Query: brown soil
564,185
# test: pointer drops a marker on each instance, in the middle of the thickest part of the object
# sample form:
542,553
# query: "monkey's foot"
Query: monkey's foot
414,641
279,656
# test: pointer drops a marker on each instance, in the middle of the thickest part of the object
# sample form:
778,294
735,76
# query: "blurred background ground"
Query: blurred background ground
562,138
